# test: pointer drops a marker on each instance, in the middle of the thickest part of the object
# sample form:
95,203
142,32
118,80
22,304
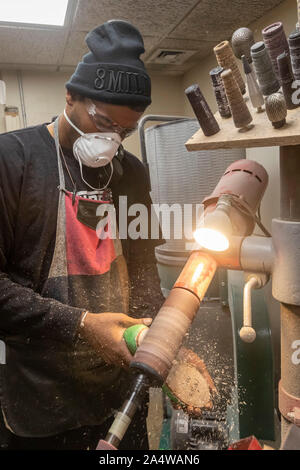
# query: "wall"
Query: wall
268,157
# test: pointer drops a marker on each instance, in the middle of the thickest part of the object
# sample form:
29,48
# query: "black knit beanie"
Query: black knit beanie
112,71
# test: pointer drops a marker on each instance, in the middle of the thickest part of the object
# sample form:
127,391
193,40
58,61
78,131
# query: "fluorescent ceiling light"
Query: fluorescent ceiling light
42,12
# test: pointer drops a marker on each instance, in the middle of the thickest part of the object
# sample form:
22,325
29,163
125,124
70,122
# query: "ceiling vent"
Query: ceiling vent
170,56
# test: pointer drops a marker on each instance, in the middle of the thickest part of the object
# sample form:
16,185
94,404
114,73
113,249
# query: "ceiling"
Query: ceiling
189,25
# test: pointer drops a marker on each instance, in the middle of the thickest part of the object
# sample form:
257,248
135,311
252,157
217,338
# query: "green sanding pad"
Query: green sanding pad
133,336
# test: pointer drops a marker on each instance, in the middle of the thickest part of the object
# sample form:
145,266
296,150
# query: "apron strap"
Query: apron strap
59,261
59,162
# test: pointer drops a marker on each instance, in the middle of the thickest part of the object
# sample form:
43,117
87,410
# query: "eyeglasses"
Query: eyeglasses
104,124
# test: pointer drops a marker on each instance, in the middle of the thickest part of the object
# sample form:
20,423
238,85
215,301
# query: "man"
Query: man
66,284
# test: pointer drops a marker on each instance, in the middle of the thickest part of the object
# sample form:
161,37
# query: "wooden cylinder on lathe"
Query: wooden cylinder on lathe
294,45
286,79
219,90
161,344
202,110
242,40
276,43
226,59
276,109
263,67
239,110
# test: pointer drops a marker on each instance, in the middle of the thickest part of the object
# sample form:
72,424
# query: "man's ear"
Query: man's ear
69,99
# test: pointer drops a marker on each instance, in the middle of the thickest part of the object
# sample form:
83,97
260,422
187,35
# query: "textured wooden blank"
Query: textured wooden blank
262,134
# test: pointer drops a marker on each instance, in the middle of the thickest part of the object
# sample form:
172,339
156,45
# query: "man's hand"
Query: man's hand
104,331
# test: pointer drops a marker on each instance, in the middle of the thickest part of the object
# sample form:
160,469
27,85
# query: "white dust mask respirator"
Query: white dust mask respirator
95,149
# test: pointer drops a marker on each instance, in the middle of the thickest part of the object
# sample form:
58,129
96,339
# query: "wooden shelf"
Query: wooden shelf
261,133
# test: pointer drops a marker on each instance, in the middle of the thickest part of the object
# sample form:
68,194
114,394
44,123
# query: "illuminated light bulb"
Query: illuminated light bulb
215,229
211,239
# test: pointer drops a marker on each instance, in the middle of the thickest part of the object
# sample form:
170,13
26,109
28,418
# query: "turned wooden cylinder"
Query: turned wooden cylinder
239,110
276,109
294,45
202,111
286,79
242,40
276,43
220,94
226,59
263,67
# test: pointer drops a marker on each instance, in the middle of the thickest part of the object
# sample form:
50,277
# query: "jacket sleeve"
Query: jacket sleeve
23,312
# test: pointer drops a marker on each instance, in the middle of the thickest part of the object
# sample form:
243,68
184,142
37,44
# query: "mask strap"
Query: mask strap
105,137
92,187
73,125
